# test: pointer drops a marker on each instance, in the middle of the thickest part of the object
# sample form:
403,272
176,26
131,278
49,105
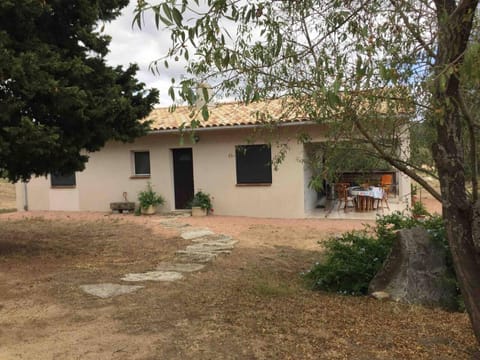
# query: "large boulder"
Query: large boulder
415,271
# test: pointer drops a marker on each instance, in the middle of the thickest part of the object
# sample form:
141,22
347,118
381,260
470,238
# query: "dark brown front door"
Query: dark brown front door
183,177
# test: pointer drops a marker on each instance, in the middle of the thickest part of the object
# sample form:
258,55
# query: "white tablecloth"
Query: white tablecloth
373,191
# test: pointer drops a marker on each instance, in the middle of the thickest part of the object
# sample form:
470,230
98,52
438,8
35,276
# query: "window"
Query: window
141,160
254,164
60,180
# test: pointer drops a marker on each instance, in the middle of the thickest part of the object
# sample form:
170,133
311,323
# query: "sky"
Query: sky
132,45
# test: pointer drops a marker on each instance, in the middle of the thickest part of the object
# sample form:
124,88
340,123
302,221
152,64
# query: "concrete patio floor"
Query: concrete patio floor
332,212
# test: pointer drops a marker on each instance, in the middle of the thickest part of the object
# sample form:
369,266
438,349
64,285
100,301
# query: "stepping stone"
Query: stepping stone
172,224
216,238
184,267
209,247
193,234
107,290
154,276
228,243
198,257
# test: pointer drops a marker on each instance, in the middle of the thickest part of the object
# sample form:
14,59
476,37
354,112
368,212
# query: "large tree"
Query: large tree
58,98
356,64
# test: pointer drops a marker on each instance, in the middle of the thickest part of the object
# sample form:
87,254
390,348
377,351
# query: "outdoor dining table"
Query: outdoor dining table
365,198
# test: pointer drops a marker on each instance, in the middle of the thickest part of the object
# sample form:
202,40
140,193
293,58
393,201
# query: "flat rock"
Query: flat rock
153,276
210,247
180,267
415,271
224,240
380,295
198,257
194,234
228,244
172,224
214,237
107,290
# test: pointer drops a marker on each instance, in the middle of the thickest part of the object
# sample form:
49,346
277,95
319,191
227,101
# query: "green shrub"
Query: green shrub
419,209
351,260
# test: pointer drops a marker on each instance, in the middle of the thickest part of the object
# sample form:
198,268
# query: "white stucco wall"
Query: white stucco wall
108,175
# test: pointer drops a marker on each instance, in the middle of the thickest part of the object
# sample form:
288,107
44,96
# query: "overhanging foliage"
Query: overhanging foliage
57,95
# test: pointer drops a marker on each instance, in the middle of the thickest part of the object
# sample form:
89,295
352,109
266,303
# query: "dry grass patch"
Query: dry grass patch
249,305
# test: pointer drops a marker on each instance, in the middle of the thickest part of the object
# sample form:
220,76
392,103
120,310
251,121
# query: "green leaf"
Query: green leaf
137,19
248,92
248,16
171,93
205,94
278,45
191,35
156,11
205,113
226,59
332,99
165,21
167,11
177,16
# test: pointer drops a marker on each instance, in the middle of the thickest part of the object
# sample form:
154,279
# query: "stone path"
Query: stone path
107,290
153,276
205,248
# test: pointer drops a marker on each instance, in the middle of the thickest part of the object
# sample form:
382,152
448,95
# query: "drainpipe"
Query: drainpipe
25,196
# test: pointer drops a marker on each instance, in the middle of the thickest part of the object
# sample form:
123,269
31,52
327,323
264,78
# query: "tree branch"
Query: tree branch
413,31
473,144
310,45
463,7
392,161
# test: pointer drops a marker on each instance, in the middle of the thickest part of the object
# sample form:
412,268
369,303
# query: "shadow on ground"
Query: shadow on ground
251,304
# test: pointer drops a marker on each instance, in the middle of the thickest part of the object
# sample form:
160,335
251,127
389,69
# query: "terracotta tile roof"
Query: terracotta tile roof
283,110
226,114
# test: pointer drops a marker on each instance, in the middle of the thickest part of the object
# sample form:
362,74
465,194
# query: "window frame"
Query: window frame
58,181
242,179
134,165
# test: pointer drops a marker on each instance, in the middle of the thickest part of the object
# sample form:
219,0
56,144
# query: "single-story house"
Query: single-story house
225,157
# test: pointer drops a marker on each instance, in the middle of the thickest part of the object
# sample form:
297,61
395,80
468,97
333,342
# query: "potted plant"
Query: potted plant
149,200
419,211
201,204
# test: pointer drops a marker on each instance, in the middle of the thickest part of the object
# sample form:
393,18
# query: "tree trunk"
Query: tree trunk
461,214
462,217
466,257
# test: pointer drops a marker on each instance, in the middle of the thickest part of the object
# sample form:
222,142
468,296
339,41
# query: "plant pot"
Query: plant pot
149,210
198,211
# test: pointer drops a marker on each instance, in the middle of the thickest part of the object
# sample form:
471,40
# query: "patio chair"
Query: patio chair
384,198
341,190
386,179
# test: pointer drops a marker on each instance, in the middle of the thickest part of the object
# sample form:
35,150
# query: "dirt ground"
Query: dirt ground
251,304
